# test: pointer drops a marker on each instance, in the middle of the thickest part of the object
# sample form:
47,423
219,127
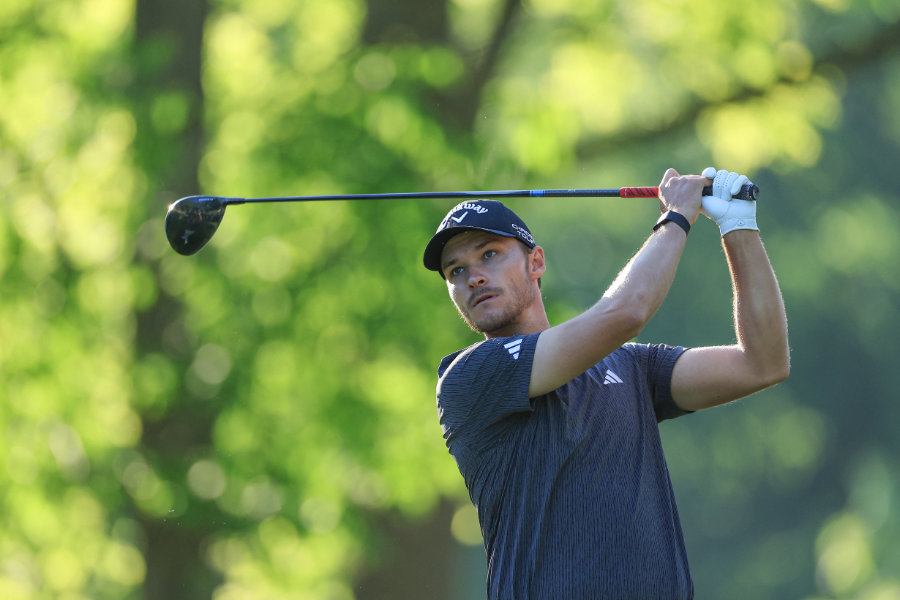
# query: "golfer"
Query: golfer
554,428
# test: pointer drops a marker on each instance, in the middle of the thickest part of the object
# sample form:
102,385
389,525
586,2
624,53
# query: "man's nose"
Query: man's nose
477,278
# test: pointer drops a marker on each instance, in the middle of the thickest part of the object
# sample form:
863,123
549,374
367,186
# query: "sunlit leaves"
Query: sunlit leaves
473,21
309,334
344,423
780,129
794,60
567,8
207,479
612,83
440,67
329,29
91,24
375,71
856,237
754,452
277,564
239,61
845,557
68,301
464,526
394,122
169,112
580,76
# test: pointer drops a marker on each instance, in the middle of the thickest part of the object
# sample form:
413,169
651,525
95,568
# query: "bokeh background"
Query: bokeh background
257,421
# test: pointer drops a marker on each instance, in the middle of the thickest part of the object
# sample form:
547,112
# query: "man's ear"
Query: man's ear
536,264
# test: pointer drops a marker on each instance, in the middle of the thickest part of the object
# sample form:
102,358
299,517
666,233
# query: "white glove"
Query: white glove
728,212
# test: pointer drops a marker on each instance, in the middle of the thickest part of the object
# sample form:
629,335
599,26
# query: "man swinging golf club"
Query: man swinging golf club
554,428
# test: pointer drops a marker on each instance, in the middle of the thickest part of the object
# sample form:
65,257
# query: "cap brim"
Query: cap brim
435,247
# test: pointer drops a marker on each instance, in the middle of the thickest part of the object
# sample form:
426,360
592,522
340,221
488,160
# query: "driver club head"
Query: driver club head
192,221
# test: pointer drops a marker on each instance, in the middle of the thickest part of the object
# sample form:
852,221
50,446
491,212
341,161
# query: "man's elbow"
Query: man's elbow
780,376
635,313
632,320
776,373
622,319
760,379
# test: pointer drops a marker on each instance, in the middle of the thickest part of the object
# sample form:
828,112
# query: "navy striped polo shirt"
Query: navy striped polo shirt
572,490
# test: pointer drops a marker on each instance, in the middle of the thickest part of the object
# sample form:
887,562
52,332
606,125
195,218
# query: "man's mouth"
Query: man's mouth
482,297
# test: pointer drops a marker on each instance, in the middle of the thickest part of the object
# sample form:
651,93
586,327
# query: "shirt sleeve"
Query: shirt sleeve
659,361
482,386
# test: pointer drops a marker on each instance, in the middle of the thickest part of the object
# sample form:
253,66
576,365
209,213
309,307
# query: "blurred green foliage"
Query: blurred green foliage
246,417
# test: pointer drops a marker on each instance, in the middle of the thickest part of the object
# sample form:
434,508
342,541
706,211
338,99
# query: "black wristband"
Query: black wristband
674,217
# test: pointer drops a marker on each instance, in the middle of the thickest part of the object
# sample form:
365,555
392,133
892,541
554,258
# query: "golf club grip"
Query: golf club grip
749,191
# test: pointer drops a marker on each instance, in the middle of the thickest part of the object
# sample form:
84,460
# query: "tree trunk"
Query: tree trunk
168,51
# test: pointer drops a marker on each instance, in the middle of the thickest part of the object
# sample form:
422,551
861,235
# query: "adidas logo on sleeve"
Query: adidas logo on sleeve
514,347
611,378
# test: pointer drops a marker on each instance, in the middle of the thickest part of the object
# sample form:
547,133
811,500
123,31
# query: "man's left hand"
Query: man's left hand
728,212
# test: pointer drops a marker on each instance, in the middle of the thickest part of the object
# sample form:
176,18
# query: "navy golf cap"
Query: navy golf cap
475,215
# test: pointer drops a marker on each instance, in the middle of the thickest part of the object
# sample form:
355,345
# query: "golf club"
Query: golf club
192,221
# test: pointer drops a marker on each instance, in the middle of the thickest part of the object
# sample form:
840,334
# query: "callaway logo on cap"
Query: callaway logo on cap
480,215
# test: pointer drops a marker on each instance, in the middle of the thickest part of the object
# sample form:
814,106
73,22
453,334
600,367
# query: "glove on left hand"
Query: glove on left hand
728,212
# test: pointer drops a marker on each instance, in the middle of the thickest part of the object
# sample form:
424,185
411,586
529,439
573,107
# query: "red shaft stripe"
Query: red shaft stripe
639,192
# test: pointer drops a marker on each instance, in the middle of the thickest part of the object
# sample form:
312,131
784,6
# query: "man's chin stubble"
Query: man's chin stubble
489,326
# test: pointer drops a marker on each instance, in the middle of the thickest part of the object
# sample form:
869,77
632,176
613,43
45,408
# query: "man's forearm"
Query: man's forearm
568,349
759,316
644,282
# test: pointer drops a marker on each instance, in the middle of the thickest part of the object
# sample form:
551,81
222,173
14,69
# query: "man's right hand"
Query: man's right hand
682,193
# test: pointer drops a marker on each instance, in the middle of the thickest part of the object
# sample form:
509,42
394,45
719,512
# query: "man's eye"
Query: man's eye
490,253
456,270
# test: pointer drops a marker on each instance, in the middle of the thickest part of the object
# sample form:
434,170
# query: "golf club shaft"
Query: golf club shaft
192,221
748,192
